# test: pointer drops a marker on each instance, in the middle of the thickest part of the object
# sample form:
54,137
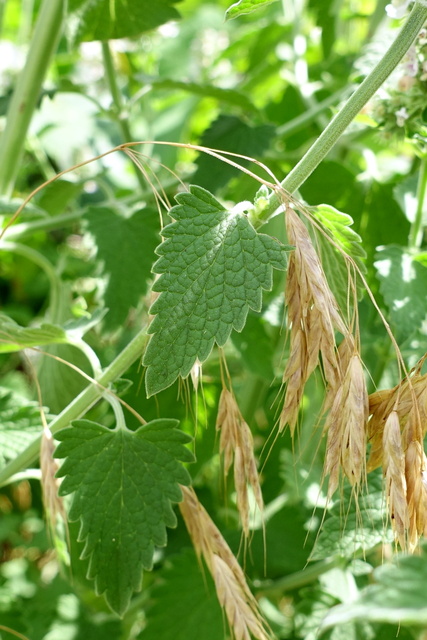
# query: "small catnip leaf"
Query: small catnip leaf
339,227
124,484
214,266
13,337
245,6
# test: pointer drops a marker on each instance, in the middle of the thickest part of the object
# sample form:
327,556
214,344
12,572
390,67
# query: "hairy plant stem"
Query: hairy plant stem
299,578
343,118
119,113
27,91
415,233
80,405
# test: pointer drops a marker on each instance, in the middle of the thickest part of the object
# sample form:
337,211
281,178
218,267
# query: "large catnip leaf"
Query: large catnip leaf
214,266
124,484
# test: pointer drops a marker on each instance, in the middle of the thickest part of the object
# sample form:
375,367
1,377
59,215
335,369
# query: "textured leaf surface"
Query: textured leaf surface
107,19
13,337
245,6
188,595
399,596
20,424
126,247
229,133
361,529
338,226
214,266
403,283
123,483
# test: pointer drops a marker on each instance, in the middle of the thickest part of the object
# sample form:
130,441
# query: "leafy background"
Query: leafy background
251,85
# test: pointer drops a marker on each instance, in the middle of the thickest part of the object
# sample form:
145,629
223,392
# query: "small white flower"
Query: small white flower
401,116
397,8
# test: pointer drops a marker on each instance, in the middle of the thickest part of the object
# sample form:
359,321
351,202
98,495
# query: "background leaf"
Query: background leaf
398,597
363,527
15,338
214,266
105,20
123,484
126,248
20,424
188,595
245,6
403,283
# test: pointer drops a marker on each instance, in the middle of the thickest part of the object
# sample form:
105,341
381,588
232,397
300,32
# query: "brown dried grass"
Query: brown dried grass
313,317
53,504
395,481
234,595
346,428
236,444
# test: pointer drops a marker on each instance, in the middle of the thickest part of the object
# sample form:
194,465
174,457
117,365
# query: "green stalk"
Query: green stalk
80,405
298,579
360,97
415,235
121,116
27,90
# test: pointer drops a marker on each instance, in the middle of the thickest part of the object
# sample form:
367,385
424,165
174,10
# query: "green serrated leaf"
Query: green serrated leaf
357,526
403,283
20,424
109,19
126,247
214,266
398,597
245,6
123,483
338,227
188,595
13,337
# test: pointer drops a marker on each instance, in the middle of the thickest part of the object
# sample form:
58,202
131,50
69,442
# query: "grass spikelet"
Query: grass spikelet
346,427
236,444
53,504
395,480
313,317
416,492
233,593
240,615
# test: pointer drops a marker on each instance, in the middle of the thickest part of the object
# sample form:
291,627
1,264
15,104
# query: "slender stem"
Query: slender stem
301,121
43,263
415,235
299,578
120,114
343,118
28,474
27,90
80,405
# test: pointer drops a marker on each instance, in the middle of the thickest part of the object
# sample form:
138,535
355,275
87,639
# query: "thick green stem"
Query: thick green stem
80,405
27,90
121,116
360,97
415,234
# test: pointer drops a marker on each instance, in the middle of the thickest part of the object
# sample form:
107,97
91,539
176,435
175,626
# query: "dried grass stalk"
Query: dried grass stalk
416,492
236,443
233,593
408,396
313,317
53,504
395,480
346,427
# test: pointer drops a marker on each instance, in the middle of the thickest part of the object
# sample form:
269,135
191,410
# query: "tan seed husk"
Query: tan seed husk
236,444
394,473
